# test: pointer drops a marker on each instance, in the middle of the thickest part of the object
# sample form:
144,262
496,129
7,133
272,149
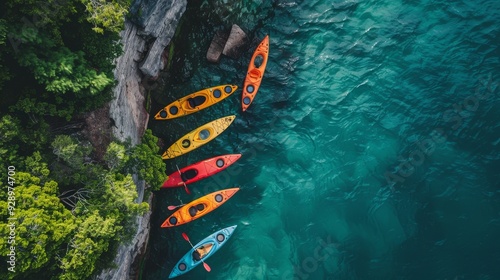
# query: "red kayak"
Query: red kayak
200,170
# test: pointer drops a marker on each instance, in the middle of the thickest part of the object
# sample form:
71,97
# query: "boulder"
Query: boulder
234,45
217,46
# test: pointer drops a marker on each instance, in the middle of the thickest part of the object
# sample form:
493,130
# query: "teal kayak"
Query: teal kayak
202,251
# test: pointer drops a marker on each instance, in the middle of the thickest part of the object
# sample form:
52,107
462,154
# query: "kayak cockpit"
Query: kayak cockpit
193,102
189,174
204,134
197,209
202,251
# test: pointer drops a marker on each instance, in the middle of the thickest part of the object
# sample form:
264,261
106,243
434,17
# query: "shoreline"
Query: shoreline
128,111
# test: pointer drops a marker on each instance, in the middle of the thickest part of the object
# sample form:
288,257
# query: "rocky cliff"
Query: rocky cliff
153,24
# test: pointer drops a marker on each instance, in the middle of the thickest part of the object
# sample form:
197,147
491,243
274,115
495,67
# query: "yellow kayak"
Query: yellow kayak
195,102
198,137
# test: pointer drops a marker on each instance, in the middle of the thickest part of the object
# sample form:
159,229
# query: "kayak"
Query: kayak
195,102
255,73
200,170
198,137
199,207
204,249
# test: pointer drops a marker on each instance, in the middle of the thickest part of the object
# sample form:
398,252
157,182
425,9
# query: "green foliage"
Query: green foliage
16,137
144,161
13,132
100,49
46,15
91,239
35,135
116,156
43,13
9,133
109,218
73,213
37,167
3,31
171,52
9,128
54,79
70,150
106,15
36,106
119,197
64,71
43,225
72,166
4,71
64,83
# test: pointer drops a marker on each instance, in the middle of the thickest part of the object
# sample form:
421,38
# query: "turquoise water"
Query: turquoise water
370,152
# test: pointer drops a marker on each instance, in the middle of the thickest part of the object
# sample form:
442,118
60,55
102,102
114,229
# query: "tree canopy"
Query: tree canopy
105,14
72,209
43,225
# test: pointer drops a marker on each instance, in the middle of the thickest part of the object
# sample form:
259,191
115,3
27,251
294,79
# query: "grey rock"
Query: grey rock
159,23
127,107
216,46
234,45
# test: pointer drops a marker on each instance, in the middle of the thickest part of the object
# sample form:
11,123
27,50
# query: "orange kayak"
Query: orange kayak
199,207
255,73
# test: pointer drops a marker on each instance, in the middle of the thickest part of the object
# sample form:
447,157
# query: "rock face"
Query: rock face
156,20
127,108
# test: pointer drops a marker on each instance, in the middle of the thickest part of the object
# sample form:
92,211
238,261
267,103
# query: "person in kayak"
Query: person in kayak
194,209
201,251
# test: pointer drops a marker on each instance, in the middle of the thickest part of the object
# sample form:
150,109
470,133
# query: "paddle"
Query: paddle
205,265
172,207
185,186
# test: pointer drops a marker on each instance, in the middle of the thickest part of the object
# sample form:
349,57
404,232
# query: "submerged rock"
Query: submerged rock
235,42
230,45
216,46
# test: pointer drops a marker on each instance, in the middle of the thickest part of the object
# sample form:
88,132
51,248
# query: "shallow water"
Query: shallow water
370,152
